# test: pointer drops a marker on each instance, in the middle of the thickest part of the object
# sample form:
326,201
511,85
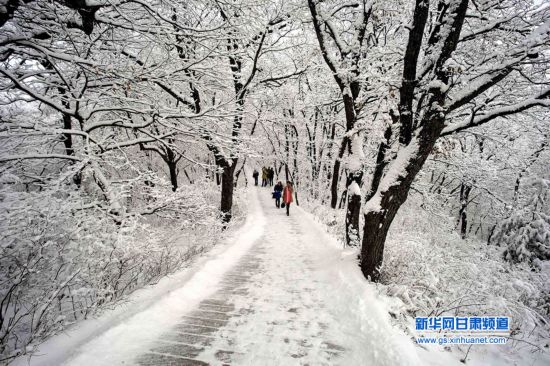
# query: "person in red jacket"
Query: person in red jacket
287,196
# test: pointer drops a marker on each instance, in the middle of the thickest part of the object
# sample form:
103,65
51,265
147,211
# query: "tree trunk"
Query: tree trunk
352,220
336,174
392,193
227,183
354,208
343,198
172,168
464,200
171,159
491,233
239,173
295,175
334,184
355,175
375,230
380,164
68,142
67,137
188,177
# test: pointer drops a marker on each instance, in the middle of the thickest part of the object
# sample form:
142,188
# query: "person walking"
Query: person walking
277,193
270,176
255,174
287,196
264,177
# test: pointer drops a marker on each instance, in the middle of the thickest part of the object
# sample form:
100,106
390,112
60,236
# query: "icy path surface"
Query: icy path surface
281,294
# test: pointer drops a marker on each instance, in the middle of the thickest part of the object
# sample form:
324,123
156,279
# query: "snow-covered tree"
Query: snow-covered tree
446,88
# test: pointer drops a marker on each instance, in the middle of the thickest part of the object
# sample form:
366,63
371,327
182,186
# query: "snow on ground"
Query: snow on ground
308,303
428,269
281,291
137,317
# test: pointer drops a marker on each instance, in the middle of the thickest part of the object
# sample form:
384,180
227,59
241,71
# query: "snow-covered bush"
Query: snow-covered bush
63,255
429,270
526,232
525,238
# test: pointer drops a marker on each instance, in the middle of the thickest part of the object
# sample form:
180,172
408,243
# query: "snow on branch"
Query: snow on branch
542,99
7,158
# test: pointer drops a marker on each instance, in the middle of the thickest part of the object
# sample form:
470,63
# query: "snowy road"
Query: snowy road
282,294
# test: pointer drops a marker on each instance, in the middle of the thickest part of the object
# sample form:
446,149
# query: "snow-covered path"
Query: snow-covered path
282,294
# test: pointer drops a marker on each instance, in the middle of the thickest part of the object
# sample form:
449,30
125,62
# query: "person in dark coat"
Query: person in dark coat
255,174
288,191
270,176
264,177
277,193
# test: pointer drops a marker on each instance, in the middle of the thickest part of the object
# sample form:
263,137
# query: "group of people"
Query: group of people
279,191
267,176
285,193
